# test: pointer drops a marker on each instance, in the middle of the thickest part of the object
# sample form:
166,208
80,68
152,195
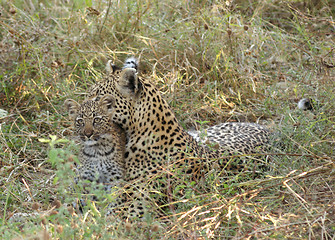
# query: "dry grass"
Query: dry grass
213,61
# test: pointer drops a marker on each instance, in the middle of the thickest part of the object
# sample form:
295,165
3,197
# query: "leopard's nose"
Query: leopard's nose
88,133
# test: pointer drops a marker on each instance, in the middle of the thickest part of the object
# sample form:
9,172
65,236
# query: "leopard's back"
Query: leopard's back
240,137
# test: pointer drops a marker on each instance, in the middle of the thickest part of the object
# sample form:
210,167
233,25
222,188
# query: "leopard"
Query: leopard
102,145
241,137
157,142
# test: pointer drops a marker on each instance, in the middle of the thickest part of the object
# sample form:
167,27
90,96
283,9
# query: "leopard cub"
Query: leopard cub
103,142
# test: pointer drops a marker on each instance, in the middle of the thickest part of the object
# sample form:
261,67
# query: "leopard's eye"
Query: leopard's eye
97,120
80,122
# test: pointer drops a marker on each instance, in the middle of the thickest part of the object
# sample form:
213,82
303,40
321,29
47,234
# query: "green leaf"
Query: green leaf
53,156
43,140
61,140
55,180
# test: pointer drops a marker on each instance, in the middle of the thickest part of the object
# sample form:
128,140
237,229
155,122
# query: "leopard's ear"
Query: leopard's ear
72,107
107,102
112,68
129,85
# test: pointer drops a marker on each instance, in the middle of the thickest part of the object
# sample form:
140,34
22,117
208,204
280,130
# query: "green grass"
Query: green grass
213,61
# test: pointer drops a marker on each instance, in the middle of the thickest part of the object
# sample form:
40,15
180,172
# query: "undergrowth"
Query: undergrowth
213,61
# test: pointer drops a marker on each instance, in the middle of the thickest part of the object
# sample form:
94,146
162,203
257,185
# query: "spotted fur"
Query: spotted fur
155,139
103,142
238,136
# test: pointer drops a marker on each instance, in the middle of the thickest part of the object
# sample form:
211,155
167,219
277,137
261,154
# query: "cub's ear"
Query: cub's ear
107,102
112,68
72,107
129,84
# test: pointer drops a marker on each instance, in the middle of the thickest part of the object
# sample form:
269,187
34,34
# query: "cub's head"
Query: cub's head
91,118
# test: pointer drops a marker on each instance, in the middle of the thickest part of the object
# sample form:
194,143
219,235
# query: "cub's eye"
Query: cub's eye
97,120
80,122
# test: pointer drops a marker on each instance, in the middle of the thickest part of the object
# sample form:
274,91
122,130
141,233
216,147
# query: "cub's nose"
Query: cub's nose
88,133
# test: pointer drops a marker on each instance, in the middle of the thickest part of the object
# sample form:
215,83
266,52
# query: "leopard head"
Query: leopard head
91,118
125,88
